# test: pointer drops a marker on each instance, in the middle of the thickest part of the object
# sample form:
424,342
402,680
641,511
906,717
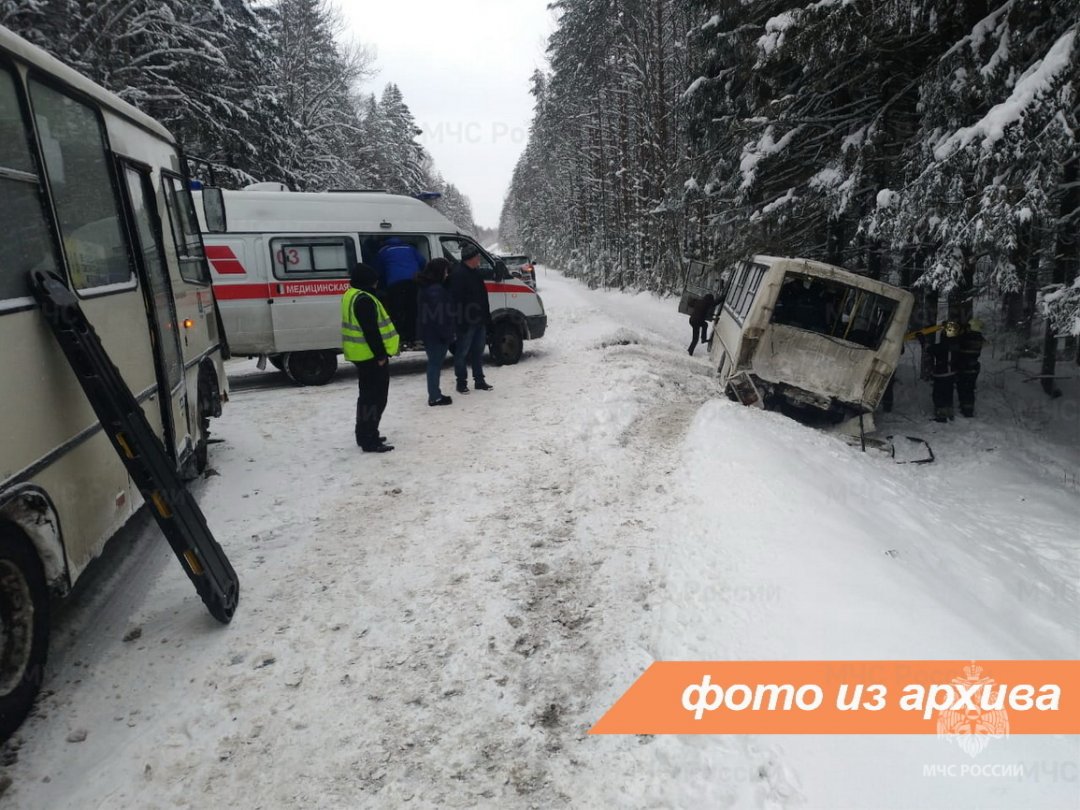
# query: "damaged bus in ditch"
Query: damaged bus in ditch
808,339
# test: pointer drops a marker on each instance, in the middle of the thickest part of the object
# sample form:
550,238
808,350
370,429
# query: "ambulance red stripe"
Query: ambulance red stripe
228,267
286,289
329,287
241,292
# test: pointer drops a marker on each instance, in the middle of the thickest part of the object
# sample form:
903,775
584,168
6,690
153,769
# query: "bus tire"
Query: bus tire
507,344
24,627
311,368
209,405
202,446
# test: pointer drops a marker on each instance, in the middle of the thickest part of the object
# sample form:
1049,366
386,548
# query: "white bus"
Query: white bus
808,338
95,191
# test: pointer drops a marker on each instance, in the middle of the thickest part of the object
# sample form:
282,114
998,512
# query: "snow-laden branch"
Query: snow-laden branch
1036,82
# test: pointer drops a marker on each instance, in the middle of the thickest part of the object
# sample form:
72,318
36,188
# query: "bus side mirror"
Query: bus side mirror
214,210
501,272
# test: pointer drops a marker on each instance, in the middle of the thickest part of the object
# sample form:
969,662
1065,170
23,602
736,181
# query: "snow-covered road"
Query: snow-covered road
442,625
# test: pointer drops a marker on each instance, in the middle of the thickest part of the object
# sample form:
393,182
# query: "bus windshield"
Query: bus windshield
837,310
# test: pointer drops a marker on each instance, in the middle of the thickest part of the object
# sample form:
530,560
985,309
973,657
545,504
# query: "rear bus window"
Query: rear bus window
834,309
77,167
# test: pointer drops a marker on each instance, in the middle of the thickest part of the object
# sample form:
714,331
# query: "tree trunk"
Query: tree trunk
1066,261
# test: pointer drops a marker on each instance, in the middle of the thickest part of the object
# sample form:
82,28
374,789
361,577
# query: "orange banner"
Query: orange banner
996,698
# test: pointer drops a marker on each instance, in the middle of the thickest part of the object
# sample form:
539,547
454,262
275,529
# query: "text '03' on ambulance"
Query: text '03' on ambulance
93,192
280,261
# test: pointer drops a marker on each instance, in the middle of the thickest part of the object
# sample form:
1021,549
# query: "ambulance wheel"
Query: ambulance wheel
311,368
506,344
277,361
24,627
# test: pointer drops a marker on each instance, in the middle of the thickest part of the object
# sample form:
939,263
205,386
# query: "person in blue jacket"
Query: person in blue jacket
399,263
435,323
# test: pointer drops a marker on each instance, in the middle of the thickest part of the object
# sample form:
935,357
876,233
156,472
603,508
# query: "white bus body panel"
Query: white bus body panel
53,451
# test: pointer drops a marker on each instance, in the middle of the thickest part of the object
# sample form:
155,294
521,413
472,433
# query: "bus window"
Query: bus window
834,309
141,195
185,230
76,164
28,244
744,287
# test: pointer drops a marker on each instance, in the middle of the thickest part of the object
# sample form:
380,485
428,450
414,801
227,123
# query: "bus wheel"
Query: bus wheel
311,368
202,446
277,361
506,344
24,627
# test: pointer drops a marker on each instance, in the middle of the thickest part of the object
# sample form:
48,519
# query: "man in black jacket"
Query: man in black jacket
965,361
700,315
369,339
473,316
944,372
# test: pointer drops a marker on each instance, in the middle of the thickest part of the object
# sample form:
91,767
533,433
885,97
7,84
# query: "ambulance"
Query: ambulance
280,262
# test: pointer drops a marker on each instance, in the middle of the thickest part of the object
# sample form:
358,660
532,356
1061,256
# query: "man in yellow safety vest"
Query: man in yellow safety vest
369,340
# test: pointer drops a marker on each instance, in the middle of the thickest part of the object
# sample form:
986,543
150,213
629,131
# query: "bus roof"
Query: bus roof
36,58
330,212
833,272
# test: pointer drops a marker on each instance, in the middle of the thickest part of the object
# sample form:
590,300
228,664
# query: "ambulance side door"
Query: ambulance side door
309,274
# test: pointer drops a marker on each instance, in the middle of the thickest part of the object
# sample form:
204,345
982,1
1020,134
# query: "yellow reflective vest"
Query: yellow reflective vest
353,341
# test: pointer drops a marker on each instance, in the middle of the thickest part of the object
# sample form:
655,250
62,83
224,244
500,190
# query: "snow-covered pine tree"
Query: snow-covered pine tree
315,78
190,64
402,158
455,206
592,190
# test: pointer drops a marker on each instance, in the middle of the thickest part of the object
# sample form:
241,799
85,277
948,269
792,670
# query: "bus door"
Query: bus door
94,238
160,307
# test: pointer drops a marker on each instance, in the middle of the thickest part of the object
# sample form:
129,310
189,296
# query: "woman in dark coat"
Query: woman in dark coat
435,323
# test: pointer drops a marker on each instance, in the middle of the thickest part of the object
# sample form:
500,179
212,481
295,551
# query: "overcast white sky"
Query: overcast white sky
464,67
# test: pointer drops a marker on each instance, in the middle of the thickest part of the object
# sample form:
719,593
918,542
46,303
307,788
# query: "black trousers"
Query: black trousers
965,389
401,303
703,331
374,383
943,395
